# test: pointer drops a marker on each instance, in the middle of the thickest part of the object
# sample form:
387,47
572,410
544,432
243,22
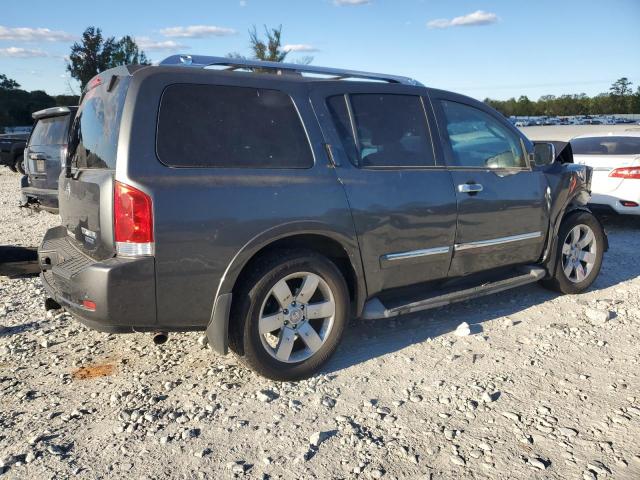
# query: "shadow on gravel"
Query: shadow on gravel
8,331
18,262
366,340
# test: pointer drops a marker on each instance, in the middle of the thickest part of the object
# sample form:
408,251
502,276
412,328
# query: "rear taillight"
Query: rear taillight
626,172
133,221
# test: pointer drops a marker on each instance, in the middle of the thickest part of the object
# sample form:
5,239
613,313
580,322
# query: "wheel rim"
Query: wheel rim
296,317
579,253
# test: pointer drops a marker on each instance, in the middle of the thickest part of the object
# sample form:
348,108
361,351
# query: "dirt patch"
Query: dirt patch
94,371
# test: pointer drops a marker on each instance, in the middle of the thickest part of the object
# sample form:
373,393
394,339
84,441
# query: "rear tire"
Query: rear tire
579,255
20,165
281,329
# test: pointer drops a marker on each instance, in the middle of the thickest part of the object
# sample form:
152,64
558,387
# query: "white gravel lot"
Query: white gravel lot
544,387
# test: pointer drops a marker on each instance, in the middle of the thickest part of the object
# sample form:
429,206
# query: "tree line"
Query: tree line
620,99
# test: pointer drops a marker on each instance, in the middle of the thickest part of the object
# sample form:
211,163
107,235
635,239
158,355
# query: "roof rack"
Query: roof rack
202,61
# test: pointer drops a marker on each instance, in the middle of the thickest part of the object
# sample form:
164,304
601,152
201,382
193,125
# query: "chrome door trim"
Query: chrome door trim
497,241
416,253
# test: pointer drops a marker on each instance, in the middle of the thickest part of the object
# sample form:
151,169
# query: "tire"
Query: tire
20,165
287,349
572,279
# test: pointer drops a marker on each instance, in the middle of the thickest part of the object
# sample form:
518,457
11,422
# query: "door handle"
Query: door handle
37,156
470,188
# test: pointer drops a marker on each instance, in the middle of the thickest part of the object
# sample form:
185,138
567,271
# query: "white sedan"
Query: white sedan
615,158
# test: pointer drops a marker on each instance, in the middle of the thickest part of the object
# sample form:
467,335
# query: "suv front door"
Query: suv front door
401,198
502,207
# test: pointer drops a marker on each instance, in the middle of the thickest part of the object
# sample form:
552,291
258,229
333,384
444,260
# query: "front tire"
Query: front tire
20,165
289,315
579,255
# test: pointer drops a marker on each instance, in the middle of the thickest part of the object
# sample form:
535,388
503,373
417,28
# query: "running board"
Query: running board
375,309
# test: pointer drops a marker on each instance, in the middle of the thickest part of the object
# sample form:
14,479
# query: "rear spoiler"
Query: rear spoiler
52,112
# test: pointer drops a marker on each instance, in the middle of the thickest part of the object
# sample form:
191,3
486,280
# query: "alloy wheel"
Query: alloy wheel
579,253
296,317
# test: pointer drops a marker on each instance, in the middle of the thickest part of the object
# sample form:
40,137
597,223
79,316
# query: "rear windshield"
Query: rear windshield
93,140
606,146
233,127
50,131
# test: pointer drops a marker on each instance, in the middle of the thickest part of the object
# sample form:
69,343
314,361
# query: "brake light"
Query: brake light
626,172
133,221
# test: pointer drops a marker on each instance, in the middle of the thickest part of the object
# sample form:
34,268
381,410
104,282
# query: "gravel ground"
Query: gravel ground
544,386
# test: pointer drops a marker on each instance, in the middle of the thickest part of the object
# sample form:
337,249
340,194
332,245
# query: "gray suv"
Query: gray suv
269,203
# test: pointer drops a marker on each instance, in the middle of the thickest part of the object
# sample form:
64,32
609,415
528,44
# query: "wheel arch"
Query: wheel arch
340,248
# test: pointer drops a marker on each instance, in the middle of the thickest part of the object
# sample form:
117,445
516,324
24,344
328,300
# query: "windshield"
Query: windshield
50,131
93,140
609,145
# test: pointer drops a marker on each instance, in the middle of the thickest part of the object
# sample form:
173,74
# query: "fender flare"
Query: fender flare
218,326
552,249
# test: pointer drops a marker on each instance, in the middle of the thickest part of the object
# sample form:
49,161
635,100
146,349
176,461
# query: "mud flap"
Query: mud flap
218,328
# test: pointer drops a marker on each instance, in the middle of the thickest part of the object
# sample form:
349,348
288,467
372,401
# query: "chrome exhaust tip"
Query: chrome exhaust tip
160,338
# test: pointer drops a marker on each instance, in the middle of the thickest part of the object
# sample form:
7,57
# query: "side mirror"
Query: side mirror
544,153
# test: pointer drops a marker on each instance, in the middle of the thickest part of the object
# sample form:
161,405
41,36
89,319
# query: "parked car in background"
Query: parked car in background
269,209
12,150
44,155
615,159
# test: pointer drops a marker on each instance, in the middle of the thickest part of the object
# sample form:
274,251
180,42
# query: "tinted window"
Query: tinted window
50,131
480,140
93,140
391,130
222,126
606,146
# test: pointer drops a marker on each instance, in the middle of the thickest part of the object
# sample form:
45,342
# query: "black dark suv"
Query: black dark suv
44,155
268,203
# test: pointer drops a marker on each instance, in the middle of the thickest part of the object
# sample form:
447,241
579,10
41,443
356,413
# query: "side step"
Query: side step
375,309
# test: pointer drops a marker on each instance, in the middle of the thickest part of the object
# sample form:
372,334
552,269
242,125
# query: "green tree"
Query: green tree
269,49
8,83
127,52
95,54
620,92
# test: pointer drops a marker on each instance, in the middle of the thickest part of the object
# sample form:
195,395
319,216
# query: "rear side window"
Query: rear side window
50,131
234,127
93,140
480,140
609,145
388,130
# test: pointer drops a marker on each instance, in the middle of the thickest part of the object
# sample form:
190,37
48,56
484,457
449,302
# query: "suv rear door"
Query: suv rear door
86,193
47,146
502,205
401,198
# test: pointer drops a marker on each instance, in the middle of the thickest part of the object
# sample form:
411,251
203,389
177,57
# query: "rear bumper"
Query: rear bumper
602,201
45,198
123,289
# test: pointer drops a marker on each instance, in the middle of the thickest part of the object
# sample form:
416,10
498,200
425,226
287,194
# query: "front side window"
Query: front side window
50,131
478,140
233,127
388,130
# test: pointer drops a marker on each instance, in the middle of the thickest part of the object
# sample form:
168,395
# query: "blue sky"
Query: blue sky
482,48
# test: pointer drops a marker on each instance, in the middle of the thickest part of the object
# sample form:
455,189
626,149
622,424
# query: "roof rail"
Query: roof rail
202,61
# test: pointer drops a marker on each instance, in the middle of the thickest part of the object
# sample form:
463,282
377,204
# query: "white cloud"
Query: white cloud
299,47
145,43
197,31
476,18
26,34
17,52
342,3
